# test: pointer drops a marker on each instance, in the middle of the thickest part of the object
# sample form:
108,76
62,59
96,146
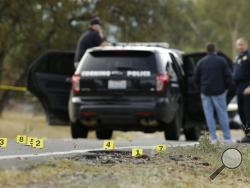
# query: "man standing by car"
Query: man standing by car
241,77
91,38
213,76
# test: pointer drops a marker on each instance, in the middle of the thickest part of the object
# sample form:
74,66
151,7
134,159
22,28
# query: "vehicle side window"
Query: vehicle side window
190,64
56,63
176,66
165,59
171,72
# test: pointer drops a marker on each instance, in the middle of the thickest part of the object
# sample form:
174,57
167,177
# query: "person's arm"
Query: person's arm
97,40
247,90
80,50
227,74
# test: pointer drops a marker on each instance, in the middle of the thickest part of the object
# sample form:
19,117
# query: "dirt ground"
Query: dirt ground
177,168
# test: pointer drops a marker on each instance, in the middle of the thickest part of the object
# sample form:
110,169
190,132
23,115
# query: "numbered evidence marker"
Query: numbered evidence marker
161,148
30,141
137,152
3,142
21,139
38,143
108,145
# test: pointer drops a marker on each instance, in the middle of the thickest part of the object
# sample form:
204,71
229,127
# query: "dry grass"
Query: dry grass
13,123
160,171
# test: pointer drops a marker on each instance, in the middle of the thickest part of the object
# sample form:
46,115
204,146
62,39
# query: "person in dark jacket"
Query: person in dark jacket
213,76
91,38
241,77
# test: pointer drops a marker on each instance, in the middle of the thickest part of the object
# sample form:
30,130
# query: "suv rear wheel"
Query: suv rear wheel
104,133
192,133
173,130
78,130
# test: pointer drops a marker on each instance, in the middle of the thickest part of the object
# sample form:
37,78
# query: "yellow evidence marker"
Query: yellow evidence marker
30,141
21,139
137,152
38,143
3,142
161,148
108,145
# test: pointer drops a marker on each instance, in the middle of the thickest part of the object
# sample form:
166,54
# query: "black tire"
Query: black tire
173,130
104,134
192,133
78,130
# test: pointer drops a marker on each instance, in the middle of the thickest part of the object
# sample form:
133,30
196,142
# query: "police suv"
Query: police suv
128,87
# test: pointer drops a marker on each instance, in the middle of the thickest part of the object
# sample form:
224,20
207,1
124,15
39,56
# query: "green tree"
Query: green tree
221,22
28,28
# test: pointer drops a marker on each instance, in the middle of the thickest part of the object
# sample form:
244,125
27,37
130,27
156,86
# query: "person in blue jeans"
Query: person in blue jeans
213,76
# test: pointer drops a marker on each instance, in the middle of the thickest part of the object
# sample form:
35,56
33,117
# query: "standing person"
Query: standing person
213,76
91,38
241,77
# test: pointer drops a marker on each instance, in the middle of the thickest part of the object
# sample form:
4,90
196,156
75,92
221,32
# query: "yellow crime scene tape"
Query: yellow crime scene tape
13,88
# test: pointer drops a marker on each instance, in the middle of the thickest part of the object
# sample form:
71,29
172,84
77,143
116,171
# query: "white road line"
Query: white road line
80,151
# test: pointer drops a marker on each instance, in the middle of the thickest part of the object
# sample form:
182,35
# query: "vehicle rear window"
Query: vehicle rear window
119,61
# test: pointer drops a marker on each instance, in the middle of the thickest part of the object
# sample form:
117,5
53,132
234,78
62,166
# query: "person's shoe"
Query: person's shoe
214,141
229,141
246,139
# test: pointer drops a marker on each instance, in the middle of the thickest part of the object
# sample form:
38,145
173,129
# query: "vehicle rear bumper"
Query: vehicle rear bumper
123,115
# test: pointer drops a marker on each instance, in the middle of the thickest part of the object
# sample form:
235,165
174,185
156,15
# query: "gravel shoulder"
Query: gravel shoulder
178,167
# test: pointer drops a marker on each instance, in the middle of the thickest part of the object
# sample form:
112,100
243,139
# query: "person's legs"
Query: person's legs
244,112
247,114
209,114
240,101
220,105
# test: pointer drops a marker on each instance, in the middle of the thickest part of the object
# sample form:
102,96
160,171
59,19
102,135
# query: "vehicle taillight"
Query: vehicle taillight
144,113
88,113
75,83
161,82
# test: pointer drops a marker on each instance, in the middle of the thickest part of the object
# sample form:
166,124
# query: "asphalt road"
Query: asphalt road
18,155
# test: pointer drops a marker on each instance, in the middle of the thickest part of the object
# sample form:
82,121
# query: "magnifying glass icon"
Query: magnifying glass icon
231,158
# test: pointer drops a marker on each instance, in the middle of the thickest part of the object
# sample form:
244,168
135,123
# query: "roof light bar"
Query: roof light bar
148,44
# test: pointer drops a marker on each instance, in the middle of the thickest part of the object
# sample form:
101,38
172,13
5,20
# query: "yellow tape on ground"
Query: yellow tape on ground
13,88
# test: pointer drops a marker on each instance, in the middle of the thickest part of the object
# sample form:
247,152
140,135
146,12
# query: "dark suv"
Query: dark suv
133,87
